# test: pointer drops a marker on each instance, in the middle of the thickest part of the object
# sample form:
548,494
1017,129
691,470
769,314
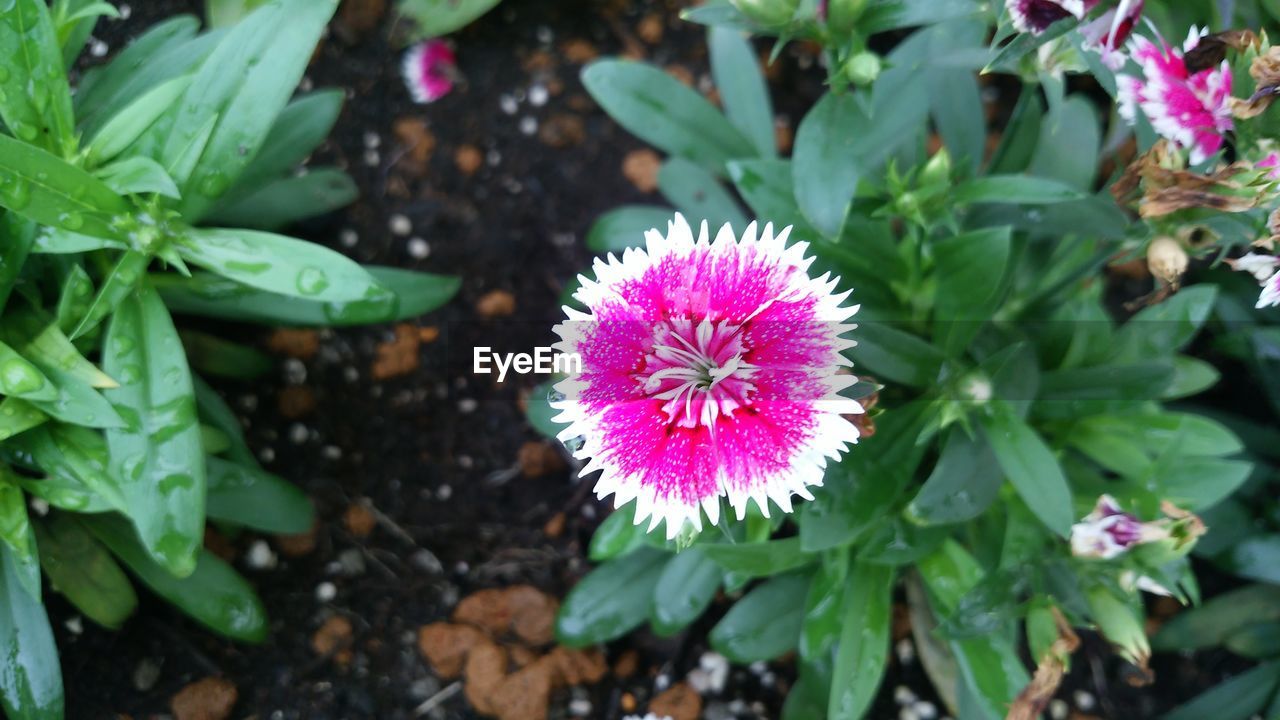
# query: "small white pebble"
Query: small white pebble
538,95
758,667
348,237
908,713
662,682
75,624
418,248
467,405
295,373
925,710
1084,700
350,374
306,84
444,492
372,158
465,462
400,225
528,125
508,105
331,452
1058,709
126,11
545,36
906,651
267,454
372,140
493,157
39,506
462,568
580,707
260,556
298,433
903,695
326,591
97,48
717,669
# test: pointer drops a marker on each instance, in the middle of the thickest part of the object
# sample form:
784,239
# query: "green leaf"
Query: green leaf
249,497
77,402
1014,189
158,458
213,593
289,200
1199,483
31,684
280,264
166,51
224,13
896,356
138,175
1162,330
759,559
827,160
1238,698
19,234
78,457
16,533
624,227
611,600
18,416
20,378
955,104
768,187
1256,558
864,641
1219,618
688,584
765,623
406,294
658,109
300,128
617,535
743,91
84,572
123,278
212,355
1018,143
43,342
1031,467
1259,641
697,194
126,126
39,186
433,18
539,413
1191,376
1070,144
896,14
35,100
74,298
239,90
963,484
969,271
215,412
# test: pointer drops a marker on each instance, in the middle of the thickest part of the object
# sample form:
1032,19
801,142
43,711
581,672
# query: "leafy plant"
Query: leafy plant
1008,399
433,18
121,205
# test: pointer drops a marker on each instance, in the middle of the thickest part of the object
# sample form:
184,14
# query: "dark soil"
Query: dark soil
433,450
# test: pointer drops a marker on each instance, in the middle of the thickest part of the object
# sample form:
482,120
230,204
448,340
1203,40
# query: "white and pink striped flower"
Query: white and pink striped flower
1191,110
1108,33
709,370
1035,16
430,70
1266,270
1108,531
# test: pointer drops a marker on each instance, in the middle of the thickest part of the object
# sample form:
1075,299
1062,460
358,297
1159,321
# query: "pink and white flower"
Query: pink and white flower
1191,110
1270,162
709,370
1035,16
1266,270
1108,33
430,70
1108,531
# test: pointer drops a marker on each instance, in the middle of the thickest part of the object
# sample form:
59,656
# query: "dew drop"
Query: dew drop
312,281
20,378
71,221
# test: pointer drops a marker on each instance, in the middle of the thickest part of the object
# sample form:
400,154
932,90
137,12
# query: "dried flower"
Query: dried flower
1108,531
1265,71
1167,260
1191,109
1035,16
709,370
429,70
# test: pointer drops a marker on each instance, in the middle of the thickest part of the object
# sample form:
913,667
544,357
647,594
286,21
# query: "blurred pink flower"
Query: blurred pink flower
1035,16
429,70
1191,110
709,370
1108,531
1108,33
1272,162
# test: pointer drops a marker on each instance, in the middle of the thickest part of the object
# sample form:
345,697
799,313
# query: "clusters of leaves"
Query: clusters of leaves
111,196
1012,398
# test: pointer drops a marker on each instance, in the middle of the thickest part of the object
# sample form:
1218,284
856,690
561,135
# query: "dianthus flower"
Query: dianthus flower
1266,270
429,70
709,370
1108,531
1035,16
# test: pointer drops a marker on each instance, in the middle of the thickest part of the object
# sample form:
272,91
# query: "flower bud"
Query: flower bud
938,170
863,68
842,15
768,13
1121,625
1166,260
1107,531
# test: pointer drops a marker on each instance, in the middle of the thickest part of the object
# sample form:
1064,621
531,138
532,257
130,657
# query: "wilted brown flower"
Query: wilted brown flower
1265,71
1167,188
1167,260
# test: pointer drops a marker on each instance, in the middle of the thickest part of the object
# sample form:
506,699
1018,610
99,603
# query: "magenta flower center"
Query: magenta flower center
700,372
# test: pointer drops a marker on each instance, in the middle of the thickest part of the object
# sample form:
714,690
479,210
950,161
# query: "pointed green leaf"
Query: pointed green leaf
83,571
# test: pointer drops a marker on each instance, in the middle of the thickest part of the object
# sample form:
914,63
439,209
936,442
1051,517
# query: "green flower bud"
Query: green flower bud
938,170
1121,625
863,68
842,15
768,13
